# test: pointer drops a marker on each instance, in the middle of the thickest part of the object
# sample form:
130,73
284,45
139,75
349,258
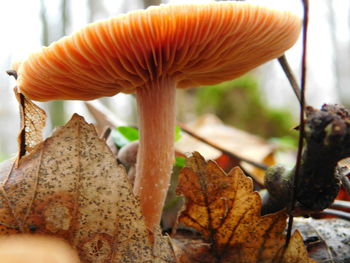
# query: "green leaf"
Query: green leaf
178,133
285,142
180,161
124,135
130,133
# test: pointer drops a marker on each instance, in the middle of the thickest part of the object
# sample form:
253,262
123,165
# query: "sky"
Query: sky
20,28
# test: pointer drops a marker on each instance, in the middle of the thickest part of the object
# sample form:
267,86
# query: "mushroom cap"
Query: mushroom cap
197,44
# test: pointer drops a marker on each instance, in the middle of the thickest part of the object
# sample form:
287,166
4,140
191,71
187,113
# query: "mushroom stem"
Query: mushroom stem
156,107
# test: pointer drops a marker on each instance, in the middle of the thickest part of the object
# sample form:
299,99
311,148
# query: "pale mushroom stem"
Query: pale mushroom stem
156,111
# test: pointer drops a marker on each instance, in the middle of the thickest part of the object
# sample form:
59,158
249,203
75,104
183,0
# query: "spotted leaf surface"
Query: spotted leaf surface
71,187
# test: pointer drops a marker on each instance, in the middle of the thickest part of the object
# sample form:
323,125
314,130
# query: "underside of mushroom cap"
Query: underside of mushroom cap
194,45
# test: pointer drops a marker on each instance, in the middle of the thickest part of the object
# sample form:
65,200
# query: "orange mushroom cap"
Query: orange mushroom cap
196,44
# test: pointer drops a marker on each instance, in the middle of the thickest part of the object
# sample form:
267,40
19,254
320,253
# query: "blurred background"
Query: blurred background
261,102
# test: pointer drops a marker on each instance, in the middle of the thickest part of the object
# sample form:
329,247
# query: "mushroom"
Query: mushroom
151,52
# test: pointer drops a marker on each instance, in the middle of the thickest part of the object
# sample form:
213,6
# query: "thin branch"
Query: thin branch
337,213
106,133
341,204
302,122
290,76
194,135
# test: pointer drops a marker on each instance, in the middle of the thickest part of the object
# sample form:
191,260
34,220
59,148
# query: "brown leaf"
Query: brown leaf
70,186
8,222
296,252
102,115
226,211
189,251
32,124
231,139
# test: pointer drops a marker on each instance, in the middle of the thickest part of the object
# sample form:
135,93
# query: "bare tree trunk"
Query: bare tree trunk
333,29
64,16
91,15
96,9
44,22
147,3
56,108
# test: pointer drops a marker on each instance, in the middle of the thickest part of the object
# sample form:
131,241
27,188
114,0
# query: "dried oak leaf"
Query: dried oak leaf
226,211
71,187
295,252
33,120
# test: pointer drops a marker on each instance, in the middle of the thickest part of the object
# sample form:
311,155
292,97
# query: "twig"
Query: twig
106,133
337,213
194,135
341,204
290,76
302,124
